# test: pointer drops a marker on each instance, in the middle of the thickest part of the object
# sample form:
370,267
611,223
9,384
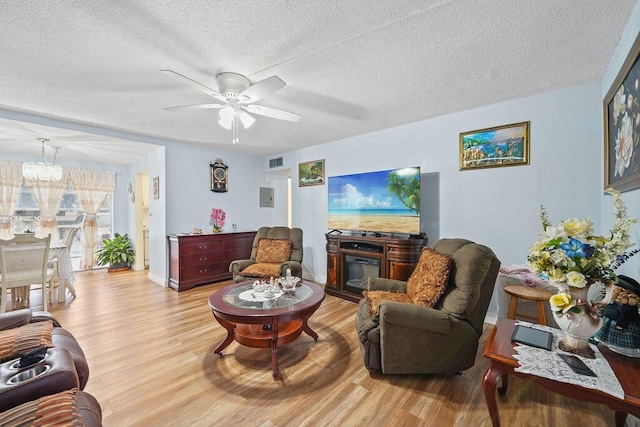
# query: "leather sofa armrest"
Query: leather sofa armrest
240,264
381,284
43,316
414,317
15,319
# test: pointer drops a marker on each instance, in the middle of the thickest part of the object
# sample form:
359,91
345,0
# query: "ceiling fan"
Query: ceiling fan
237,96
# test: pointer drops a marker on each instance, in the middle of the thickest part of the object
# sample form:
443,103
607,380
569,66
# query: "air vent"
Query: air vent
274,163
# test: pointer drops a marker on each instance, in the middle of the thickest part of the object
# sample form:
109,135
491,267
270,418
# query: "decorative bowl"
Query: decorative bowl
289,283
259,286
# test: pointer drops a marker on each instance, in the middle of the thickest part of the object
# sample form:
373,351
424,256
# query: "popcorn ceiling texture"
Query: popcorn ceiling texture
351,67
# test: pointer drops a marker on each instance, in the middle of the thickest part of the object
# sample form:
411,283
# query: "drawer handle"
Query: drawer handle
203,246
204,270
203,259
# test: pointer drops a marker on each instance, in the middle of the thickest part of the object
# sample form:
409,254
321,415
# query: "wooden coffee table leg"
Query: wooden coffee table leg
274,348
308,330
489,383
230,327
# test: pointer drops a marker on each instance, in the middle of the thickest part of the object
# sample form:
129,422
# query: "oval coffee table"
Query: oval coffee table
254,322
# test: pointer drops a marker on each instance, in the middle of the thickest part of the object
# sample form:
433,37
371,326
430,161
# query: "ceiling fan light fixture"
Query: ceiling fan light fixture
226,123
246,120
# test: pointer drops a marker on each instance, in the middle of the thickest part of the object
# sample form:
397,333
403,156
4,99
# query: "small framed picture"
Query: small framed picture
311,173
506,145
156,187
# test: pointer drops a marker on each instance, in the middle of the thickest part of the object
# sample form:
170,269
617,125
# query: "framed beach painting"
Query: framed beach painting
311,173
622,126
506,145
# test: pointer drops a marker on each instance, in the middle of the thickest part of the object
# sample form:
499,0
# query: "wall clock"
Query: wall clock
219,176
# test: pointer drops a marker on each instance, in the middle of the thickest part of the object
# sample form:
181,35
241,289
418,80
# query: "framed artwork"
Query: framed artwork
156,187
506,145
622,126
311,173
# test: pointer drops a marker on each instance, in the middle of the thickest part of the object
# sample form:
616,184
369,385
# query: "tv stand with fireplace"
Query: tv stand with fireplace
352,258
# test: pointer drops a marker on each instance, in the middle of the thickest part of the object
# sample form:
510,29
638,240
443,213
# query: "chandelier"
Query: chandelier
43,171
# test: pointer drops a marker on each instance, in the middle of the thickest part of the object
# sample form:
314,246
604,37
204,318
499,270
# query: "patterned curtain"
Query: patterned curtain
49,195
93,187
10,184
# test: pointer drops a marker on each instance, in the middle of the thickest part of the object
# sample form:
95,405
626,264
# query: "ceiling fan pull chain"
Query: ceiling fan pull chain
235,130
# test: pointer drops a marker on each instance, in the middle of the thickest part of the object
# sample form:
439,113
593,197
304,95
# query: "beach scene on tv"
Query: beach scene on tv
384,201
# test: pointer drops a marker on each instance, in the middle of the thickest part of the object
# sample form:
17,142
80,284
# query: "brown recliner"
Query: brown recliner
61,338
69,407
410,339
294,263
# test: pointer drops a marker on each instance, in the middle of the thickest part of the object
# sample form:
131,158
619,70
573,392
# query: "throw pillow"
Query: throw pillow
262,270
60,409
273,251
17,341
430,278
374,298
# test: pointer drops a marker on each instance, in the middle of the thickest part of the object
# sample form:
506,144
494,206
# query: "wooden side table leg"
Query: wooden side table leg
308,330
513,304
542,315
274,348
489,383
621,418
231,328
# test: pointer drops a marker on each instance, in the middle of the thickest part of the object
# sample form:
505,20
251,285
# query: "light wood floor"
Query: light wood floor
150,351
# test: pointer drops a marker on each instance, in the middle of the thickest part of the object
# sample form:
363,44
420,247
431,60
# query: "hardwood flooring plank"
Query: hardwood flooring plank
150,351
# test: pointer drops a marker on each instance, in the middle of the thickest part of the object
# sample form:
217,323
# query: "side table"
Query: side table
500,351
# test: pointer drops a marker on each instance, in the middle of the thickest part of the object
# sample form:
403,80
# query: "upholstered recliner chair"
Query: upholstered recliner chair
406,336
275,249
53,335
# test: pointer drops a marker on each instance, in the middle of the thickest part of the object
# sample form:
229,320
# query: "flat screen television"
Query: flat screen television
380,202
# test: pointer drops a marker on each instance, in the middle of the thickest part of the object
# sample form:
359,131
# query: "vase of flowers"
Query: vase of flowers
218,216
581,265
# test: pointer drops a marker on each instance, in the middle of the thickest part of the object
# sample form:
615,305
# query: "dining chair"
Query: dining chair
23,262
55,260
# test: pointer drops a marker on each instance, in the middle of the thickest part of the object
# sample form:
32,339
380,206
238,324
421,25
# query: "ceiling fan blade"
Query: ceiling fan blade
195,107
274,113
261,89
196,85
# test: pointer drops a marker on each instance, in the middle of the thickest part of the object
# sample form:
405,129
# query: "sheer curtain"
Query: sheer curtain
93,187
48,195
10,184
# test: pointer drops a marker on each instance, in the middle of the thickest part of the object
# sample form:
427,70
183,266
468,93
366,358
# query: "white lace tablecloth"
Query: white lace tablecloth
548,364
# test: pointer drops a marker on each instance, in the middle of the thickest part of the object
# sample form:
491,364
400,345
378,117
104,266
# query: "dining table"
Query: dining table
60,259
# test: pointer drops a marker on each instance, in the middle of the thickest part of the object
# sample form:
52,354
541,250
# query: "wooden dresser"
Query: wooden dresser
195,259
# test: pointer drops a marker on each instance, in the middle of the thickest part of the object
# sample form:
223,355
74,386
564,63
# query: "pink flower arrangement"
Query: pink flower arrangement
218,216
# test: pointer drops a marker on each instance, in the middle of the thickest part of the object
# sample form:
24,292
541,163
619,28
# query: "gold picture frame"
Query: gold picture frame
622,125
506,145
311,173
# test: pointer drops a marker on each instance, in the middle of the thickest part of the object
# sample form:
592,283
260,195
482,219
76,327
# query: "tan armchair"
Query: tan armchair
405,338
275,249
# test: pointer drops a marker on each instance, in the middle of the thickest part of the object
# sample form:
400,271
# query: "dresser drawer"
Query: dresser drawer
194,260
203,272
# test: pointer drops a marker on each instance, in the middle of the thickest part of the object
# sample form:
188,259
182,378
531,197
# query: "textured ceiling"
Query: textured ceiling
351,67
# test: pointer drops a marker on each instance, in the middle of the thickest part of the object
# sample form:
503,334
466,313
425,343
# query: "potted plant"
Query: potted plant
117,252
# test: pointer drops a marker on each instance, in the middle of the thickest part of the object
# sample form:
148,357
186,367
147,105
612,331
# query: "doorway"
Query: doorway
142,222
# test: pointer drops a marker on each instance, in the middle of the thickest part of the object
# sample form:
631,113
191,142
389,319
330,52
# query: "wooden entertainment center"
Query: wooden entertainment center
368,255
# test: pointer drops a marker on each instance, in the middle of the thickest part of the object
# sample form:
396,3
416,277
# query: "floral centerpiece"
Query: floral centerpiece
573,258
218,216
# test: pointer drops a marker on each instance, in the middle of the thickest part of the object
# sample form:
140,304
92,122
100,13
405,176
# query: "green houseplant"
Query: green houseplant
117,252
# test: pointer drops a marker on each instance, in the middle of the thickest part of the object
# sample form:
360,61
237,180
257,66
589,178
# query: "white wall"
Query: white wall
631,198
498,206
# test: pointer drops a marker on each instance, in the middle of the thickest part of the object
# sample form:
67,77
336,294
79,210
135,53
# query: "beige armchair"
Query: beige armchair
275,249
406,338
